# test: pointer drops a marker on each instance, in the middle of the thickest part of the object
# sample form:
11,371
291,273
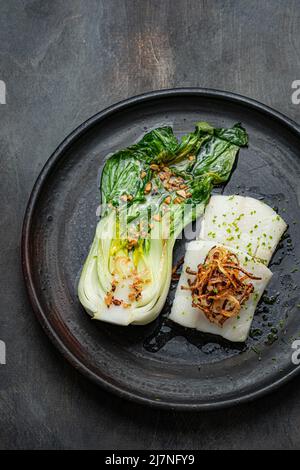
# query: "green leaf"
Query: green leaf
216,158
236,135
191,143
121,173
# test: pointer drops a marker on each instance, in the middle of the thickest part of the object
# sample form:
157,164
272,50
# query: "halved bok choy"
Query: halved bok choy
150,191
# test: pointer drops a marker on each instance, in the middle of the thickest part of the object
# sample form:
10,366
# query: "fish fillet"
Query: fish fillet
234,329
243,223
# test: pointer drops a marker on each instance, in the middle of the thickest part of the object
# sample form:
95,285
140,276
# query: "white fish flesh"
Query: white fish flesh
243,223
234,329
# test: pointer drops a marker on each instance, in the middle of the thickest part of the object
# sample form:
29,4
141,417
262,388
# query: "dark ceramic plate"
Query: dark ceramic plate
163,364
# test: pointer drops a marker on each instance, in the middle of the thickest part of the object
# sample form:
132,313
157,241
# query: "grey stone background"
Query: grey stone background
62,61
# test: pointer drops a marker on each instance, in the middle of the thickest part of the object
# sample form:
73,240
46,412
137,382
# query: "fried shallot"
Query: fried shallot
221,286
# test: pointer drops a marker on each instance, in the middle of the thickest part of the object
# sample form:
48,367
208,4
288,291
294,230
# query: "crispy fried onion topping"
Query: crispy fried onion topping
135,289
175,273
220,286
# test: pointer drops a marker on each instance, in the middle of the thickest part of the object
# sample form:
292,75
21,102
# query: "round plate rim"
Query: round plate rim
26,259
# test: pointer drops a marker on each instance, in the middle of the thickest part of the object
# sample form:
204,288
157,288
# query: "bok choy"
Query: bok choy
150,191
